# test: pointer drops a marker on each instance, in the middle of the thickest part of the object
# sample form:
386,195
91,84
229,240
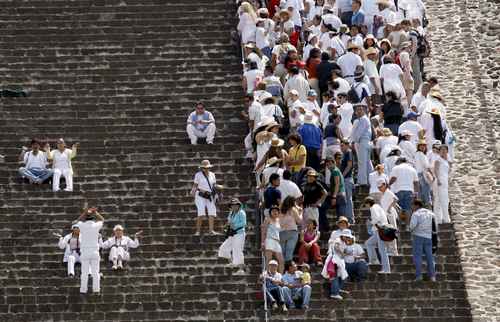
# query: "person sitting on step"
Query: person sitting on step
355,262
119,245
71,245
309,248
274,286
297,292
201,124
61,163
35,163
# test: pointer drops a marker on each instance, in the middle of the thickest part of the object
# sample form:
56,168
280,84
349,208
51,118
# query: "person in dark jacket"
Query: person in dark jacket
392,112
324,72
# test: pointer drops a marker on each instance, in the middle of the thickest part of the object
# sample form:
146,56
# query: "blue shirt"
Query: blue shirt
271,197
311,136
238,221
358,18
361,129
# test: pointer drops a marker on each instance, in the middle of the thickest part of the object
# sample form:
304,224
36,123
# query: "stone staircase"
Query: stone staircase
120,77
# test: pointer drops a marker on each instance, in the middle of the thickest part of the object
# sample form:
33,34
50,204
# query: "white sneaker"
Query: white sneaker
214,233
120,265
383,272
285,309
275,306
336,297
197,233
374,263
115,267
240,272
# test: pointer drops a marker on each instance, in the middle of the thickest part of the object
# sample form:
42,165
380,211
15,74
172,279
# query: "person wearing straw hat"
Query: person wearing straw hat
442,168
119,246
312,140
375,176
425,176
314,196
408,148
205,196
201,124
371,72
270,108
61,164
267,130
342,225
232,247
385,143
272,166
378,219
350,61
434,126
334,269
404,183
388,202
71,245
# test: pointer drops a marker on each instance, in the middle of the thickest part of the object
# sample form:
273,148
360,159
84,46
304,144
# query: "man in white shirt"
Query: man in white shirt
35,163
252,77
204,188
90,223
253,117
349,62
294,109
411,125
296,82
288,187
201,124
371,70
404,183
378,219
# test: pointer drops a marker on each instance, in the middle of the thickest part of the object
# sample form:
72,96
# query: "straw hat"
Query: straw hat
343,219
284,12
387,131
435,111
421,142
312,173
277,142
272,161
271,125
352,46
118,227
205,164
371,51
435,92
384,2
308,118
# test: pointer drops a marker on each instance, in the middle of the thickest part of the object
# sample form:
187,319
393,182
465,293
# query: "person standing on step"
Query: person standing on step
312,139
90,223
270,237
35,163
441,198
205,196
314,196
201,124
119,246
232,247
404,183
378,219
346,166
71,245
388,202
61,163
361,136
290,221
421,228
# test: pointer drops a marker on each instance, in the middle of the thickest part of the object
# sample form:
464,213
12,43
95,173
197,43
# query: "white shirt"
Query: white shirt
89,234
297,6
125,242
312,106
443,170
271,110
331,19
35,161
373,178
344,86
246,27
298,83
378,217
62,160
255,58
408,150
345,110
348,64
253,77
406,175
354,250
261,38
421,162
266,173
339,47
289,188
201,181
417,100
254,113
370,7
198,117
387,199
371,71
414,127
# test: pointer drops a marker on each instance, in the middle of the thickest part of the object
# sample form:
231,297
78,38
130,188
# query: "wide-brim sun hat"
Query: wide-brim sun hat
272,161
277,142
205,164
271,125
371,51
343,219
312,173
118,227
386,131
308,118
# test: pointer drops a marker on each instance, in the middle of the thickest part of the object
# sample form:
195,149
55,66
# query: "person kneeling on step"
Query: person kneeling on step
71,245
201,124
119,245
233,246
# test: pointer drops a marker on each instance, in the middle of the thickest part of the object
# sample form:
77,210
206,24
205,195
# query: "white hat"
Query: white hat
311,36
205,164
294,92
405,133
75,226
381,181
118,227
346,233
273,262
265,95
265,121
308,118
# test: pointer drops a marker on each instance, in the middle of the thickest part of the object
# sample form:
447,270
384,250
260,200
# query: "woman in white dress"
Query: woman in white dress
62,165
408,148
247,25
391,76
440,190
345,110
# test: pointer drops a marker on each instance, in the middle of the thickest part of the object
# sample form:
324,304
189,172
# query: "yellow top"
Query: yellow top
294,154
306,278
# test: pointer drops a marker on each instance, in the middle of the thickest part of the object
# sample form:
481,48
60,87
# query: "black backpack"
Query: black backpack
352,95
423,46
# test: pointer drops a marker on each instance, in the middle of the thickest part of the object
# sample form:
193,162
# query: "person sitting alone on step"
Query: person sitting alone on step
201,124
119,246
35,164
61,164
71,245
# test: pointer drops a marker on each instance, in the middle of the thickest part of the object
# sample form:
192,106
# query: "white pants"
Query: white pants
232,248
67,174
72,260
202,204
90,265
441,201
194,133
116,253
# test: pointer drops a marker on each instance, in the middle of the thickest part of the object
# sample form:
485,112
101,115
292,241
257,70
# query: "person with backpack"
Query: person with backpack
422,227
35,163
359,92
205,194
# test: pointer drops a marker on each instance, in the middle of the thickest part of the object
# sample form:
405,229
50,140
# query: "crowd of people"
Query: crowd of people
337,98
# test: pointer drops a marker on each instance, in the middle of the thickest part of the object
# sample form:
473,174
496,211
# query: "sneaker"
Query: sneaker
305,307
336,297
214,233
374,263
345,292
418,279
115,267
284,308
240,272
197,233
275,306
120,265
383,272
433,279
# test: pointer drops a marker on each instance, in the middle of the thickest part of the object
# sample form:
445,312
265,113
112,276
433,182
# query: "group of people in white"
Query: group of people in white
82,245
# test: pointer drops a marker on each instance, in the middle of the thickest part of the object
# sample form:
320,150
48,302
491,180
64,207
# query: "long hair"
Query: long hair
438,127
287,204
248,8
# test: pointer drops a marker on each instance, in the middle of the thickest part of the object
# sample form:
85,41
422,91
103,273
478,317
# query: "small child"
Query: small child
306,275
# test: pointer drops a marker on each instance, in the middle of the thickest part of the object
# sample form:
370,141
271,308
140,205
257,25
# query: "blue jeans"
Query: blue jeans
365,166
36,174
405,199
275,294
425,189
341,207
375,242
357,271
423,246
304,293
288,241
336,286
349,188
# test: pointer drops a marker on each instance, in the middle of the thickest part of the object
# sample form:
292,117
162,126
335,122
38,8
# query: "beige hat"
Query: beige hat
266,120
435,111
384,2
308,118
276,142
205,164
118,227
422,142
294,92
371,51
352,46
271,125
386,131
250,45
343,219
284,12
270,162
312,173
435,92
